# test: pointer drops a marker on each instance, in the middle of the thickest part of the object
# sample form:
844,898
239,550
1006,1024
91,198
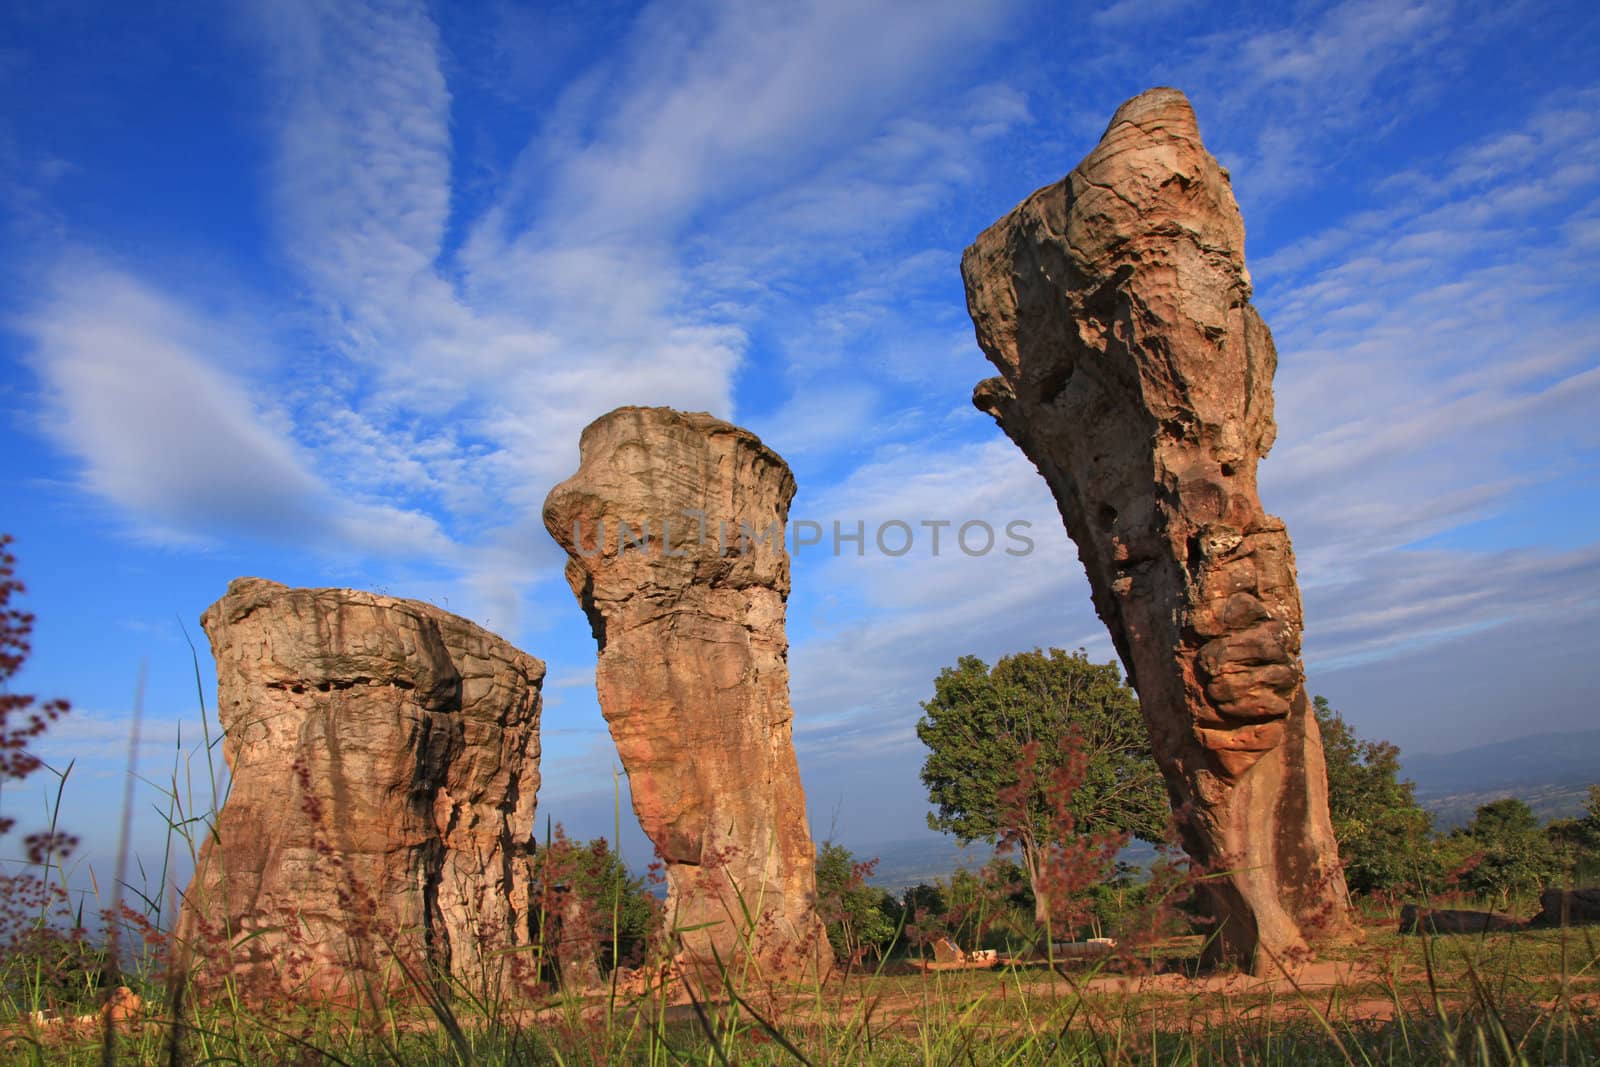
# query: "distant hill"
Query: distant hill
912,861
1551,772
1542,759
916,861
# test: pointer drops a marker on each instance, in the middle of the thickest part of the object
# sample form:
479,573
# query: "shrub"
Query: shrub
859,918
1514,856
594,914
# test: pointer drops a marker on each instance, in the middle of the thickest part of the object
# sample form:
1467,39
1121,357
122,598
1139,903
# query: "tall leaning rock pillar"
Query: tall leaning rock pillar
1137,377
673,526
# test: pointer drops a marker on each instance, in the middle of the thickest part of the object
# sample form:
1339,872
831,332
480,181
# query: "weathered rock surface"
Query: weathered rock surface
693,672
1568,907
1137,377
1418,920
385,763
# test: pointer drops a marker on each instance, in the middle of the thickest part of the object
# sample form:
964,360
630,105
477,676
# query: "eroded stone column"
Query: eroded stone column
384,757
1137,377
673,526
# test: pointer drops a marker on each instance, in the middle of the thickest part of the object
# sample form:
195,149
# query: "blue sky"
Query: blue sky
324,293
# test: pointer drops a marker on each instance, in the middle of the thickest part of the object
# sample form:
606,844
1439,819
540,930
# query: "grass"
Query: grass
1522,997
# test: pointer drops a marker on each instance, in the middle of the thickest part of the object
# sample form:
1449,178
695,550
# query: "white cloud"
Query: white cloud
876,629
99,740
439,386
776,181
1281,100
1432,374
134,392
1125,13
1437,352
583,286
723,99
819,419
363,162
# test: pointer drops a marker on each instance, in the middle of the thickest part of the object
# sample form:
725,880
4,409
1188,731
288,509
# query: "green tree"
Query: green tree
1383,833
587,883
1582,834
858,917
1579,839
1586,839
989,731
1514,855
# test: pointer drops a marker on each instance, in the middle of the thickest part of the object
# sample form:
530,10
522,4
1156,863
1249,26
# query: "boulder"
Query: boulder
1136,375
1568,907
384,757
1418,920
674,531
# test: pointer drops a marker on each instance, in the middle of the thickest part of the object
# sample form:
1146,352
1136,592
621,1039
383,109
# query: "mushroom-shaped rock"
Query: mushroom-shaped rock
674,530
1136,375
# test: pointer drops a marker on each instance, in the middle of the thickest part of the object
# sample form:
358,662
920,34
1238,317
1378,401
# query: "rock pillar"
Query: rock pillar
1136,375
384,757
674,529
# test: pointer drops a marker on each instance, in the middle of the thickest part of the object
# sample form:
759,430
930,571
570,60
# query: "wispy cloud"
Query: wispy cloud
720,101
134,390
363,160
450,379
1282,97
1126,13
766,203
1438,347
878,628
99,741
1437,365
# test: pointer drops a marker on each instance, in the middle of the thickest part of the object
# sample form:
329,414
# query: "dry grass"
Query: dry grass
1509,998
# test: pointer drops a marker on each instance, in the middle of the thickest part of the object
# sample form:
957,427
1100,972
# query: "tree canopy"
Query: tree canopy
1578,841
1383,832
858,917
617,915
991,730
1387,843
1513,854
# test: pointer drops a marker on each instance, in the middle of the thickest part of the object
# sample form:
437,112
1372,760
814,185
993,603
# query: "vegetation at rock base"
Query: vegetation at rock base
1389,848
1512,855
23,716
596,912
38,927
1523,998
1382,830
1577,841
1046,753
861,920
998,738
